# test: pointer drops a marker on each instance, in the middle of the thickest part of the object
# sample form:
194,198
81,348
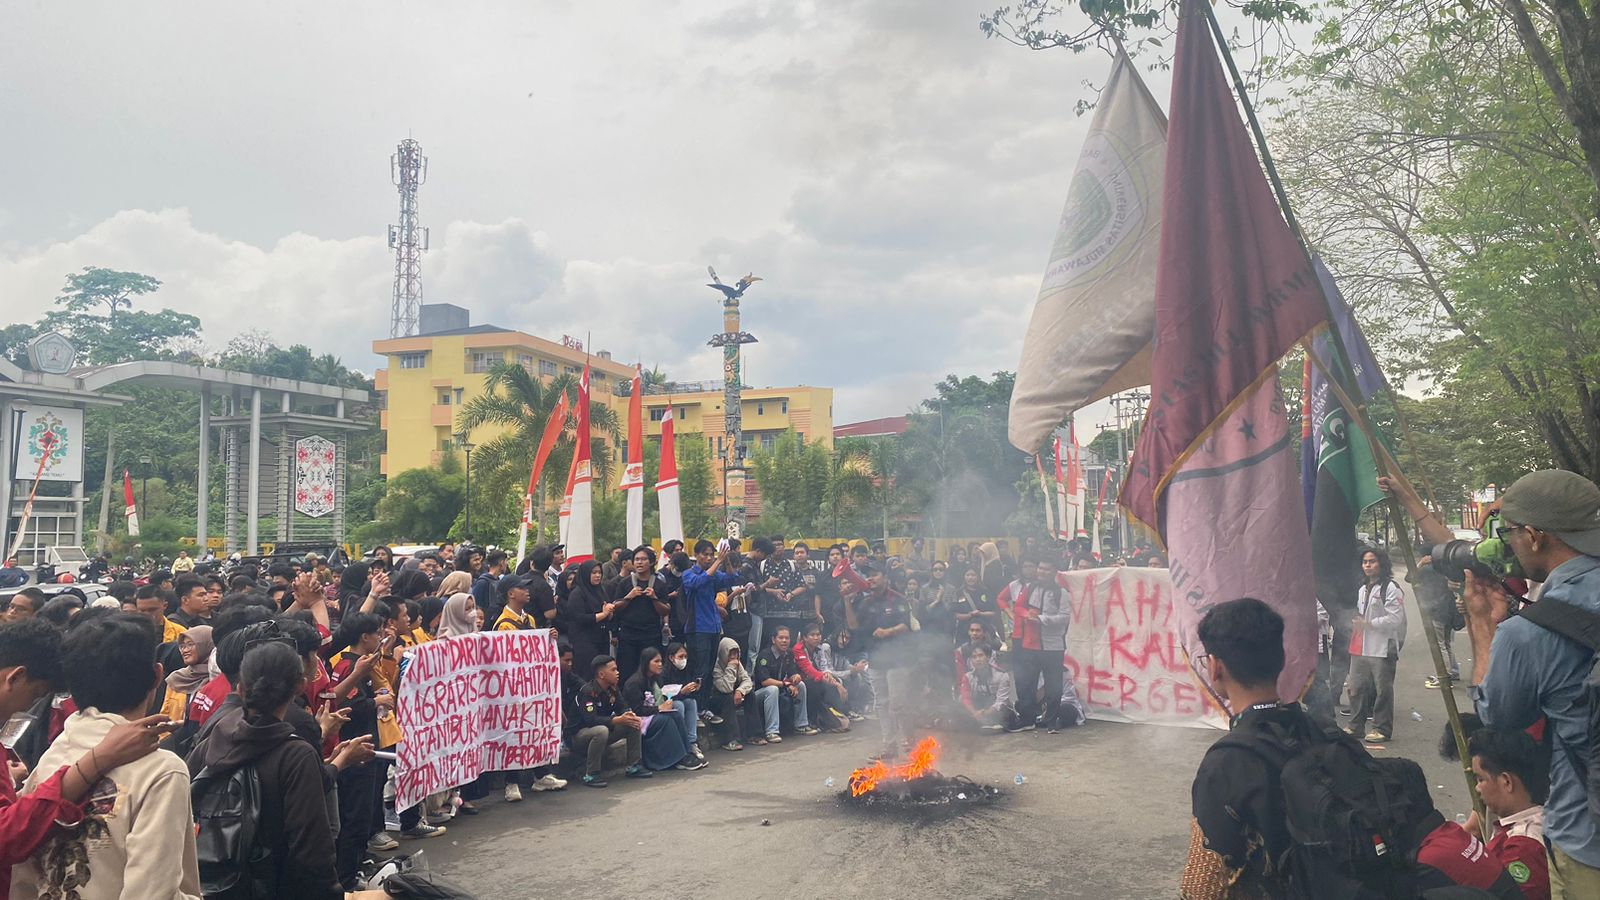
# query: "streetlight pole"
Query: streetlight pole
144,482
466,524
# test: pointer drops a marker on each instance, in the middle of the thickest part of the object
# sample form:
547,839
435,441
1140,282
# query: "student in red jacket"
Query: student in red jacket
1514,780
825,693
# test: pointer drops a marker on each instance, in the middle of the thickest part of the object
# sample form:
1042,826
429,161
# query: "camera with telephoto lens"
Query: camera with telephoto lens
1488,558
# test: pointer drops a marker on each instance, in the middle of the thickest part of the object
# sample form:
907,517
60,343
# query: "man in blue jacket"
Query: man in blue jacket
702,617
1551,521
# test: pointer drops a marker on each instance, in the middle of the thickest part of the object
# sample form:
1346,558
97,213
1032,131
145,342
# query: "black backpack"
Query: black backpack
1349,819
227,814
1583,627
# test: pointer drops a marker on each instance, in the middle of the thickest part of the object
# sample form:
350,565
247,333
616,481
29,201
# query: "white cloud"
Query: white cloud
894,177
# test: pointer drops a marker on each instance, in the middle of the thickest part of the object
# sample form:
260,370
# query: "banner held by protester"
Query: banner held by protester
484,702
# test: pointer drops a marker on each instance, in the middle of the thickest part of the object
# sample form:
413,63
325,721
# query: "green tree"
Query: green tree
792,477
522,403
119,333
702,517
418,505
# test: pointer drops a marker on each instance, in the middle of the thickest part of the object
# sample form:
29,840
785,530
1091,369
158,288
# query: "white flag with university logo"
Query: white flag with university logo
1094,320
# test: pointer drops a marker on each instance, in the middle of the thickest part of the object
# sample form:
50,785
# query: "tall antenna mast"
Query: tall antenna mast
408,168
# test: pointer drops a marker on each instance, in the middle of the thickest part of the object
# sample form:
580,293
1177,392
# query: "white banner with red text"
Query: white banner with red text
486,702
1124,654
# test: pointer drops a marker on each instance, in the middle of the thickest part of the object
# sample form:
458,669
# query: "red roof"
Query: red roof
873,427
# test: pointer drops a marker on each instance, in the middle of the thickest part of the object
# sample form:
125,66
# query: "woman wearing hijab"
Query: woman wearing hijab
195,645
455,583
352,589
456,619
586,613
431,609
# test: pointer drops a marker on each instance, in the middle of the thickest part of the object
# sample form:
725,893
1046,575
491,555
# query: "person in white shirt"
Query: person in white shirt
1378,632
137,835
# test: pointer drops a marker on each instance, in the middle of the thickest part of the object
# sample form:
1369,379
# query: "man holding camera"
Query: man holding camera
1550,520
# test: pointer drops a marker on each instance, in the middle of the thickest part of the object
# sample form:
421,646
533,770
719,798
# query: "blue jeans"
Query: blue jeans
681,715
770,700
691,716
755,636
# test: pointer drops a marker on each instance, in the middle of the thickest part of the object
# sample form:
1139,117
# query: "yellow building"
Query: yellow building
428,378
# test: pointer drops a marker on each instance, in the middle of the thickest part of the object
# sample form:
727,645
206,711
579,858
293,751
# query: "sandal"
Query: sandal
733,745
758,742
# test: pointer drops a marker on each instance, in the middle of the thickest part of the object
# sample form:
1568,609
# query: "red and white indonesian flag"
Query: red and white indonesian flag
580,523
564,515
129,508
1213,471
633,467
1090,333
667,483
547,442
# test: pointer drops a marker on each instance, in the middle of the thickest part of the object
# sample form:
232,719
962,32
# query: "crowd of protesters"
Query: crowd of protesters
123,712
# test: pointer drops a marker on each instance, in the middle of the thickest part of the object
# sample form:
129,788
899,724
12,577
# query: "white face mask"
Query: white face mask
679,663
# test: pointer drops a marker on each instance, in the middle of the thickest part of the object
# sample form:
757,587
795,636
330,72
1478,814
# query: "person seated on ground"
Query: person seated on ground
976,634
826,697
731,686
839,659
602,719
780,687
293,826
1447,855
1513,776
137,833
677,683
571,684
666,735
30,671
986,692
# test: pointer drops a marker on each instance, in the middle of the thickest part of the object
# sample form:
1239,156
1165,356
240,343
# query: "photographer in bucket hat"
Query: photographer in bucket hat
1525,666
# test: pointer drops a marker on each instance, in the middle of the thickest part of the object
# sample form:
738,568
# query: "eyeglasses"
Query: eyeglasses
1201,662
1504,529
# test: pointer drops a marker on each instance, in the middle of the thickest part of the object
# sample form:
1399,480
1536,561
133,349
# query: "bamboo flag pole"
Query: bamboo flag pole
1338,381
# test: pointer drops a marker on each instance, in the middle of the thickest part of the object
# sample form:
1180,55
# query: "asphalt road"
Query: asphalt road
1104,814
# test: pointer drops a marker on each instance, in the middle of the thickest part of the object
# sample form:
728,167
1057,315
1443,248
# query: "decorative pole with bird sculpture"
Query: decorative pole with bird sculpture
733,453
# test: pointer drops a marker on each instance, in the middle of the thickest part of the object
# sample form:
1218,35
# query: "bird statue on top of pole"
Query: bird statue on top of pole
732,453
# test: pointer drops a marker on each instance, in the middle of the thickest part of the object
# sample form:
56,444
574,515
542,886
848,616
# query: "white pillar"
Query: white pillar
203,479
252,490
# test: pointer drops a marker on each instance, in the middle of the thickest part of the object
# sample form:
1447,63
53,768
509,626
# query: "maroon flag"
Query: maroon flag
1212,471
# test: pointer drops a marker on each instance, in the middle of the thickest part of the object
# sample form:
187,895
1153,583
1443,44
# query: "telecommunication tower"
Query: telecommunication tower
408,168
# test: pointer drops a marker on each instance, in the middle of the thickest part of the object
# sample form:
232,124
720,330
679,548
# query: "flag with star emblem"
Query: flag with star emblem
1213,470
1337,472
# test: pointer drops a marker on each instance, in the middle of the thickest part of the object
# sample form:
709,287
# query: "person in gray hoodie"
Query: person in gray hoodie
733,686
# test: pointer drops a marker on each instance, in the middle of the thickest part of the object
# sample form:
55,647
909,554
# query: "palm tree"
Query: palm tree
653,380
522,402
848,488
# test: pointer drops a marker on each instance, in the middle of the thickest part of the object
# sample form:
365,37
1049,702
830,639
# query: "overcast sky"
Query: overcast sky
894,176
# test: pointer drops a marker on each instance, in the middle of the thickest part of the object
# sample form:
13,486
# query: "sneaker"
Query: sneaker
513,794
733,745
549,783
440,819
995,727
1027,727
1432,681
690,764
1052,730
808,730
422,830
1376,737
758,742
774,738
697,753
712,719
638,771
855,716
382,842
594,781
